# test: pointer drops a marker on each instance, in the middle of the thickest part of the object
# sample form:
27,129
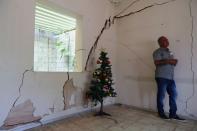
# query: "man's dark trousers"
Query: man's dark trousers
169,86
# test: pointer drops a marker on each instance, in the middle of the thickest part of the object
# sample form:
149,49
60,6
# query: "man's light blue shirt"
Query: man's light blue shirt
164,71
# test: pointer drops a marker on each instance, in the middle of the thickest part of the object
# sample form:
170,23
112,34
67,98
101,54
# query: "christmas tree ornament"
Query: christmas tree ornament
98,62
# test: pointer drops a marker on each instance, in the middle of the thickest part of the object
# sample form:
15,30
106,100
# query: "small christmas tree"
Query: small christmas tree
101,84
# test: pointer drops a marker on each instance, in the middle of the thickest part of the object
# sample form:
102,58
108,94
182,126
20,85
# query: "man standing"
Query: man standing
164,74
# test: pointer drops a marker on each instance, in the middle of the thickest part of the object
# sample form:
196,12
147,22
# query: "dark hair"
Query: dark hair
161,38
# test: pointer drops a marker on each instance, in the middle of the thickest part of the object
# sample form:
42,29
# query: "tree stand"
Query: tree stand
101,112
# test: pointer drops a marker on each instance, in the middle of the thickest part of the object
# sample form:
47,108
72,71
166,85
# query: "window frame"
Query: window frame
78,40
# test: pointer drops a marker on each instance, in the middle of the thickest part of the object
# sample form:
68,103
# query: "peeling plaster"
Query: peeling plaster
63,93
107,25
19,91
23,111
69,94
40,109
20,114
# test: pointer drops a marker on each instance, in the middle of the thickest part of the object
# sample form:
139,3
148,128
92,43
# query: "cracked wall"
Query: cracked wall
137,35
45,90
137,39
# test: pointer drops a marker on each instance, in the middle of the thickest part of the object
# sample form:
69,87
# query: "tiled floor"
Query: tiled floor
123,119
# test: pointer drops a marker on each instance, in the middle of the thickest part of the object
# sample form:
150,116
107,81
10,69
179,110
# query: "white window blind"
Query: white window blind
54,45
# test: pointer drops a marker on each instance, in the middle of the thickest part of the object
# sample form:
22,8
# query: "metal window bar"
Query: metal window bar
49,26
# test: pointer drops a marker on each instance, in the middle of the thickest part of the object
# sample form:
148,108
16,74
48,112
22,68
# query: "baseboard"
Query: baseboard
57,116
72,112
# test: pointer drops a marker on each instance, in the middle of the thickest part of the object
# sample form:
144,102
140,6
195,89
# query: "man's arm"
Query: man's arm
166,61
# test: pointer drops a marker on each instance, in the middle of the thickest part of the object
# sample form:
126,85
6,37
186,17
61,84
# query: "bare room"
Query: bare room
98,65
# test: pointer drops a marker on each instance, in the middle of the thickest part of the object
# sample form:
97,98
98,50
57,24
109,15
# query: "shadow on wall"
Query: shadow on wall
146,78
146,88
138,72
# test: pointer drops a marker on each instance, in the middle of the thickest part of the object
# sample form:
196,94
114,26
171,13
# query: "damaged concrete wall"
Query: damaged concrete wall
138,34
22,113
19,83
69,93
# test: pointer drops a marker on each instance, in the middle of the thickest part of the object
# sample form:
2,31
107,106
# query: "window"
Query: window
55,40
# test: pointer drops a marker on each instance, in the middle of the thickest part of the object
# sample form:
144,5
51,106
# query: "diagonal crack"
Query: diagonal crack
22,81
132,3
93,48
110,21
140,10
140,59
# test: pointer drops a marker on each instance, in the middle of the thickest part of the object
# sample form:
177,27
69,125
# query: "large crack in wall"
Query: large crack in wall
192,62
192,48
22,81
107,25
21,113
64,86
186,102
69,93
110,21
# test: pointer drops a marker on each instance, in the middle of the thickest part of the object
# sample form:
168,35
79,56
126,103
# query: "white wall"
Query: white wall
16,54
137,39
131,56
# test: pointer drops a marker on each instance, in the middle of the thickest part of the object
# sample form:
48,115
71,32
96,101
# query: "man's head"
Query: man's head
163,42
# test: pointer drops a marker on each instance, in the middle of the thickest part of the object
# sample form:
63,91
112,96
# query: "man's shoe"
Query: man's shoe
163,116
176,117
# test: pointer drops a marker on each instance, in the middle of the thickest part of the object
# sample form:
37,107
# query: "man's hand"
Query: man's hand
166,61
172,61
